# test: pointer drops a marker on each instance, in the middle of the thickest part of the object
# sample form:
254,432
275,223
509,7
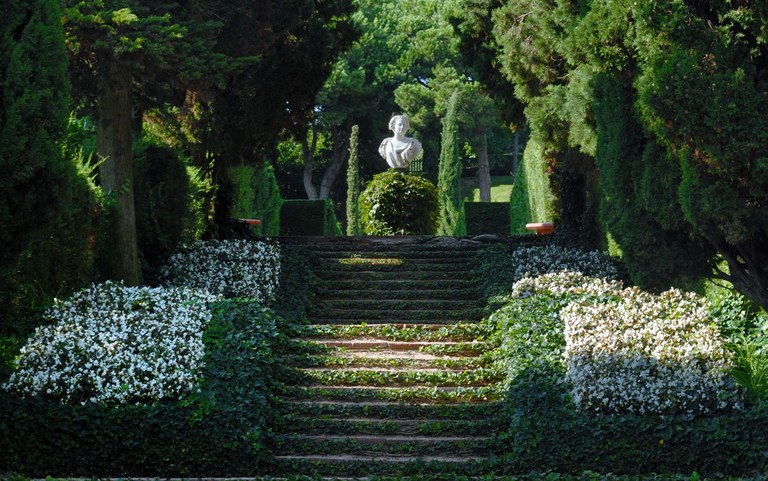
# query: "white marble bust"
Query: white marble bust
399,150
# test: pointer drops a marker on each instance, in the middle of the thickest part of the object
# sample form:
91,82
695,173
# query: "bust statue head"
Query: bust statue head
399,150
393,123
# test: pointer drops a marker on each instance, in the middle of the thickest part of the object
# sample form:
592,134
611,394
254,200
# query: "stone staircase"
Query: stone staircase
393,376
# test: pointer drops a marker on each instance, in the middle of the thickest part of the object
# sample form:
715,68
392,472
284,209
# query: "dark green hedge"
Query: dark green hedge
300,217
544,432
487,218
219,432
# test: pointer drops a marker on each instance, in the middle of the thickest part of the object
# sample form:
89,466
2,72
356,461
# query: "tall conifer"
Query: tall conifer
353,184
449,175
33,118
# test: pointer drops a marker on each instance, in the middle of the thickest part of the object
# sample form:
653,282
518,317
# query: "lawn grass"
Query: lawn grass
501,188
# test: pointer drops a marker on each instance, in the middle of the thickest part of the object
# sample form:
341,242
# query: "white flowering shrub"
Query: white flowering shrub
116,345
564,282
230,268
500,269
529,322
643,353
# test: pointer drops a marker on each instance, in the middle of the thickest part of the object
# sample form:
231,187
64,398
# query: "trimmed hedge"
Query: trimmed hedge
487,218
220,431
546,433
300,217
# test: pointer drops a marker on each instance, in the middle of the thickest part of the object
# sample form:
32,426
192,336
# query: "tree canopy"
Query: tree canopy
663,100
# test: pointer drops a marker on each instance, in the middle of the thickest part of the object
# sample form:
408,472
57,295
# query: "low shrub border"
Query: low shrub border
220,431
545,431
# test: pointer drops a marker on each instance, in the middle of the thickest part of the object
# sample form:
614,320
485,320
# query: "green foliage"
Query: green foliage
396,203
257,196
221,431
33,119
636,206
163,211
487,217
531,199
751,372
353,184
308,218
49,208
546,433
449,176
296,283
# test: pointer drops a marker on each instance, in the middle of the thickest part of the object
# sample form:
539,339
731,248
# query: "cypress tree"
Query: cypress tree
47,205
353,184
449,175
33,118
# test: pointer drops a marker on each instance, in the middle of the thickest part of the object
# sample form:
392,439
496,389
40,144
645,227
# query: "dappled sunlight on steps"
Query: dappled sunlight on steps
400,380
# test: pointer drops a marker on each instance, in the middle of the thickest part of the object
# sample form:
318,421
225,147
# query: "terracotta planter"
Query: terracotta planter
541,228
252,221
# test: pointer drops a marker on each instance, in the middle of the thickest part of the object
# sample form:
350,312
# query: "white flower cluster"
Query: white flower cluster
230,268
644,353
115,344
535,261
564,282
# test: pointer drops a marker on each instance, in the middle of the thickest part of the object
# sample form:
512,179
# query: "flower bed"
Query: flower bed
230,268
115,344
645,353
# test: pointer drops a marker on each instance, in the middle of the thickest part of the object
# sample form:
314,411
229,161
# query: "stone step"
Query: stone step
423,346
401,377
394,320
408,395
421,332
344,283
361,444
382,465
363,262
392,359
424,253
390,410
395,304
394,316
393,291
345,426
365,276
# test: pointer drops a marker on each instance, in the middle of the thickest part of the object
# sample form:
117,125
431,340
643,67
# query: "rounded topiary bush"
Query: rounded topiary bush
397,203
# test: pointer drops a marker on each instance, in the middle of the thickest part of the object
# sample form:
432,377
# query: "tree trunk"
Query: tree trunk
484,169
515,153
340,153
309,158
114,146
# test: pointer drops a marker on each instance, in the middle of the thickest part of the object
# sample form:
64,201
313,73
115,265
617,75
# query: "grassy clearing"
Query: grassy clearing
501,188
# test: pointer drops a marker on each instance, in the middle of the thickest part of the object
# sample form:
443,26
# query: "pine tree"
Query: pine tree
353,184
449,175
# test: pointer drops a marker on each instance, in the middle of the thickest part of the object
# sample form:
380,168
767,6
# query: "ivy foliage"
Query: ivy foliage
396,203
221,430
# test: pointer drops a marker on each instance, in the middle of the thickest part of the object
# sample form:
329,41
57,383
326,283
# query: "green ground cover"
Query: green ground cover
501,188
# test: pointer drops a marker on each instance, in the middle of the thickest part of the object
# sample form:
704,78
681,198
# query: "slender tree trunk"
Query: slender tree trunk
114,145
340,153
309,160
515,153
484,169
